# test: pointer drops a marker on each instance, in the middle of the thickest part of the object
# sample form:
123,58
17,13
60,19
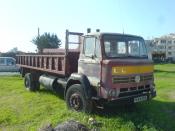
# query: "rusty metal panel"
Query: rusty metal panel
56,63
63,65
59,61
32,61
25,60
40,62
35,61
45,62
21,59
28,60
42,69
51,63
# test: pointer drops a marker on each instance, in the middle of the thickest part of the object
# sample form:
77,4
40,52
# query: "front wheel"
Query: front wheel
76,100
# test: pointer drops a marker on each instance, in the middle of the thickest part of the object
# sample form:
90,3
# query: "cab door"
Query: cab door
89,61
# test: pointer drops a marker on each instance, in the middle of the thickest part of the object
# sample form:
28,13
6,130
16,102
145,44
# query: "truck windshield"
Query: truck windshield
124,46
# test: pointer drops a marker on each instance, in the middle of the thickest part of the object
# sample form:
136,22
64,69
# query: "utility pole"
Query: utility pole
38,32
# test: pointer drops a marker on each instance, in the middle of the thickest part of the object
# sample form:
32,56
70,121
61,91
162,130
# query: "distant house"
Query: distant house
149,47
162,48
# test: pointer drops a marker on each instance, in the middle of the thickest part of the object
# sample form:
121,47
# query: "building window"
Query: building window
163,41
169,53
169,47
161,47
169,42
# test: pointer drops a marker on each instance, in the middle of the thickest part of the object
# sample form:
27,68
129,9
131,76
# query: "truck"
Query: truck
106,68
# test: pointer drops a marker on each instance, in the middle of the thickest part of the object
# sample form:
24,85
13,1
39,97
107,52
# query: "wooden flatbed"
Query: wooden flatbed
58,61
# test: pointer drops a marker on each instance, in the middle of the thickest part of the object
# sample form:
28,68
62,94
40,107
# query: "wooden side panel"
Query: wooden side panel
45,63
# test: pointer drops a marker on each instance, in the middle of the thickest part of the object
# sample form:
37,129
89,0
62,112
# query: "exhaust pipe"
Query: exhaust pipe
88,30
97,30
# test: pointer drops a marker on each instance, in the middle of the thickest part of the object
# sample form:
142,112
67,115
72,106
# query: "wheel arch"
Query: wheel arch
80,79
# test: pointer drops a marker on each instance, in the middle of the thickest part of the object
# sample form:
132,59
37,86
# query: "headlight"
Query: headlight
137,79
113,93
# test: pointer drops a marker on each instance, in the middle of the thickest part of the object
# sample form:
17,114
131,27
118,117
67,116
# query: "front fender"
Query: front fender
80,79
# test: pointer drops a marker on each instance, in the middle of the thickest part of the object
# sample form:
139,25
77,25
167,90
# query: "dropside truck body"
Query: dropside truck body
105,68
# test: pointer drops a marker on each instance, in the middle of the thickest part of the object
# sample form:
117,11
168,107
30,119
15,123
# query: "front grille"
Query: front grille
120,79
130,79
147,77
124,92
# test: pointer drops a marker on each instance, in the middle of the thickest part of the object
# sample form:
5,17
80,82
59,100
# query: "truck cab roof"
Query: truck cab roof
100,34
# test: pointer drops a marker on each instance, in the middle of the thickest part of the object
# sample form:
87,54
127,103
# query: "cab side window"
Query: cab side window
97,49
89,46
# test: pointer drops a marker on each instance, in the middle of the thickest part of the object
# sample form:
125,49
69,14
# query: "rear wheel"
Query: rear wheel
30,83
76,100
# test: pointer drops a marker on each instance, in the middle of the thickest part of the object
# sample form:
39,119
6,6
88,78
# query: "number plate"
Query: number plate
141,98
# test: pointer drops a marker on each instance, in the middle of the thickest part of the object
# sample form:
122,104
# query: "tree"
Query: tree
14,50
46,41
11,53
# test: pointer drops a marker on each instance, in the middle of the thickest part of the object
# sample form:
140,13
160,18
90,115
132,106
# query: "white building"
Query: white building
163,47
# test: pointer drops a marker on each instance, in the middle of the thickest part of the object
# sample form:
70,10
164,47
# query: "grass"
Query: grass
21,110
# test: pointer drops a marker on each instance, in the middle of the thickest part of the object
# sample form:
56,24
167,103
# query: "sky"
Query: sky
20,19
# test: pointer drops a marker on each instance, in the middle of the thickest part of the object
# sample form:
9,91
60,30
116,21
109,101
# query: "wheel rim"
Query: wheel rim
76,102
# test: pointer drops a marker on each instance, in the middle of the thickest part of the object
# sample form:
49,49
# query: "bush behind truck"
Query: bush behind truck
105,68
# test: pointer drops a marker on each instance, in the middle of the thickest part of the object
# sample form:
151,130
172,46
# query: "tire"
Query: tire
76,100
30,83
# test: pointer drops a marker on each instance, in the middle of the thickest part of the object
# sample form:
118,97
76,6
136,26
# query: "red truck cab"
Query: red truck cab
117,67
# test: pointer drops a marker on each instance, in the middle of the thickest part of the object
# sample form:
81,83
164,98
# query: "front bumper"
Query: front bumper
128,99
